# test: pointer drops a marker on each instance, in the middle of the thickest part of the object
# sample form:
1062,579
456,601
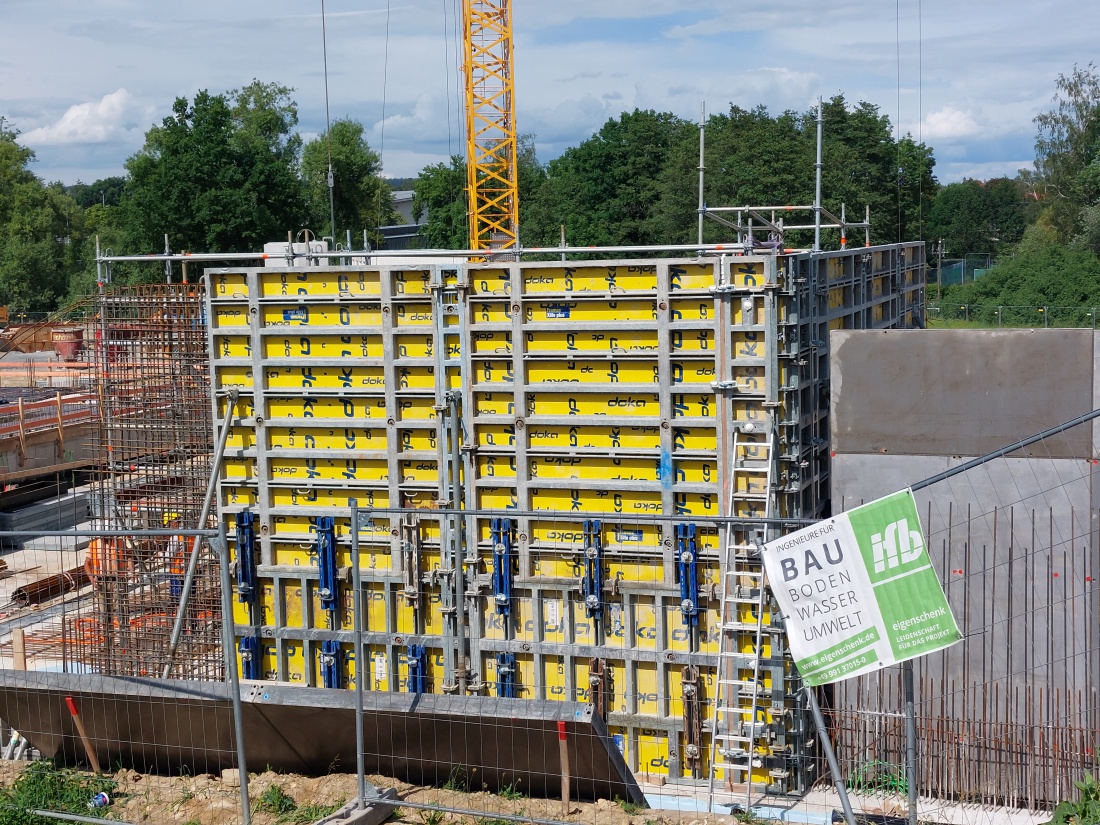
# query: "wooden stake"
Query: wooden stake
19,649
88,749
563,749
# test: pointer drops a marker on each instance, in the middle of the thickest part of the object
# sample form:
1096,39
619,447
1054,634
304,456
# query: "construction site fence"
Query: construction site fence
486,757
1004,315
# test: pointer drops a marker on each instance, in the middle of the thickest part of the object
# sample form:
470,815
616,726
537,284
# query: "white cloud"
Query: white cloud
108,119
948,123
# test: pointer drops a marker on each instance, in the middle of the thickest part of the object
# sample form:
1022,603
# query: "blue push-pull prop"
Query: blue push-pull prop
418,669
246,557
501,531
506,675
687,566
249,649
332,661
592,585
326,561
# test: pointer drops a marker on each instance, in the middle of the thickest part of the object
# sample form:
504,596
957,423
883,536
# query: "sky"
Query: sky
83,80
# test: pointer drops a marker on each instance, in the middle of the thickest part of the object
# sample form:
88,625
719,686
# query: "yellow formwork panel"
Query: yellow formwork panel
491,311
352,316
694,309
329,469
240,438
319,406
414,316
355,376
836,297
239,496
491,342
489,281
296,667
594,404
224,285
588,311
239,469
558,436
293,495
303,436
230,316
306,347
743,274
878,312
494,403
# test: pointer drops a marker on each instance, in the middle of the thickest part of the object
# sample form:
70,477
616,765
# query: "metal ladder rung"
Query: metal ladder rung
730,766
738,710
741,683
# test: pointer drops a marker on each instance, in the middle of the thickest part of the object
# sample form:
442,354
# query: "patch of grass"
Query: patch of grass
274,800
430,817
192,822
629,808
488,821
307,814
457,781
512,791
43,785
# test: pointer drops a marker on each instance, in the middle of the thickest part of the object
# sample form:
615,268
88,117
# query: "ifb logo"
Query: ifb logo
900,545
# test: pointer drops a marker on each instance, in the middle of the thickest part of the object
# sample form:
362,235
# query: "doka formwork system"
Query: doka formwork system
541,454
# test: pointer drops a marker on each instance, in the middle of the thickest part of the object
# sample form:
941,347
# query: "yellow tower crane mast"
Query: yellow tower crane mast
491,181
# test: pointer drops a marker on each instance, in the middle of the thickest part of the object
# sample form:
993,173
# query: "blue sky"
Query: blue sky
84,79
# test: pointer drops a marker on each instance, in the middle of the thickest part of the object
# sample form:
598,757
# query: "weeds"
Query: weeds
307,814
274,800
629,808
512,792
430,817
43,785
457,781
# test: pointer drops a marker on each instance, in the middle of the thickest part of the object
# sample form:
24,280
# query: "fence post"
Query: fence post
232,678
1046,317
999,319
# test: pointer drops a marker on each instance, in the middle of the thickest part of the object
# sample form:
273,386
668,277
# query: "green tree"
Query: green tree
219,175
1067,150
439,198
40,232
979,216
105,192
361,198
605,191
439,205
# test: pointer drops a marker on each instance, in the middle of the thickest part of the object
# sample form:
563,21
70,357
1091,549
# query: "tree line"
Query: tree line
228,172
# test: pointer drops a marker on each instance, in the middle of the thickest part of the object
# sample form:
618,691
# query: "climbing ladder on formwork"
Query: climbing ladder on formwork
741,729
758,728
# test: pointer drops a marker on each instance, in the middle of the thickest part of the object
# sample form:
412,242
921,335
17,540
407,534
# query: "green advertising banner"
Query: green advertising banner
858,591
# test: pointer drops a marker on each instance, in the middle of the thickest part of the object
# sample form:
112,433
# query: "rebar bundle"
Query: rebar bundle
155,438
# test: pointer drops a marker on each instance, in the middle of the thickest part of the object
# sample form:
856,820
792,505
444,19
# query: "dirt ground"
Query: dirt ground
210,800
